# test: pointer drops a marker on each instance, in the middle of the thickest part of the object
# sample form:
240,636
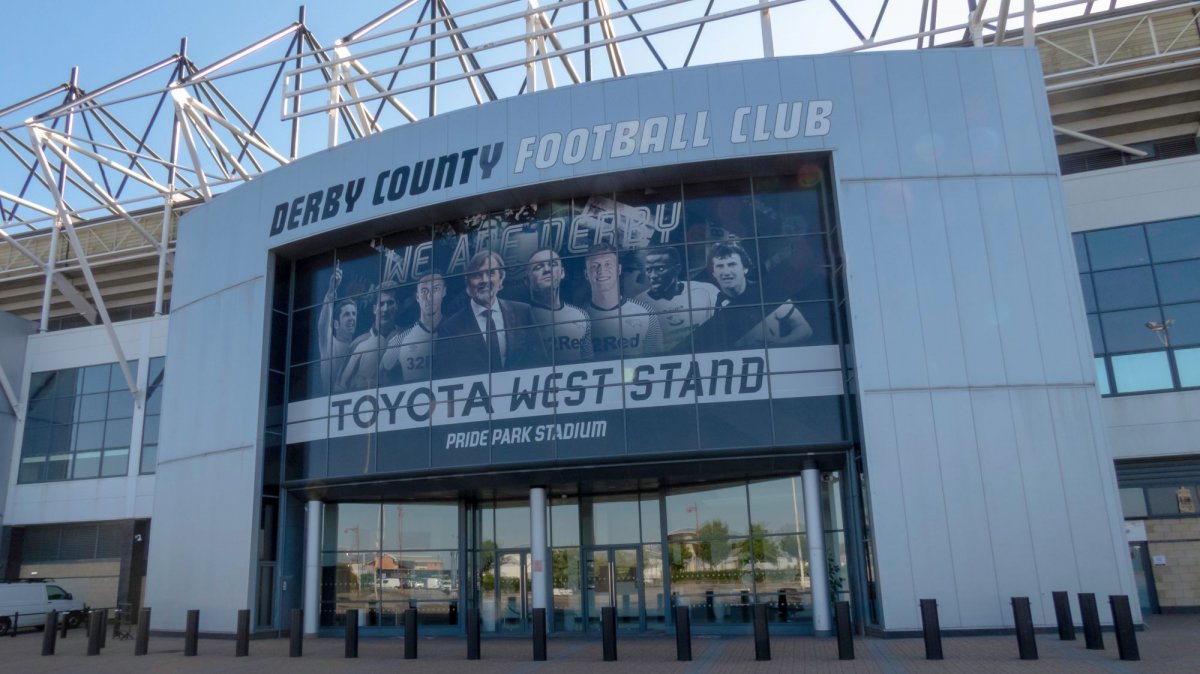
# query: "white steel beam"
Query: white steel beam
1099,141
11,395
61,282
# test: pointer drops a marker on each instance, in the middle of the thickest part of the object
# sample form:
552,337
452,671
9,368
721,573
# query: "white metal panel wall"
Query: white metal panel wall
14,332
986,474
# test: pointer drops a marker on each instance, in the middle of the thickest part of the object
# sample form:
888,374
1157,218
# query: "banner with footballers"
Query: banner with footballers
559,329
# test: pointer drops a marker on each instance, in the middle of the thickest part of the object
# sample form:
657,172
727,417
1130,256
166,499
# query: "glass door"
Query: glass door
1143,575
614,578
513,591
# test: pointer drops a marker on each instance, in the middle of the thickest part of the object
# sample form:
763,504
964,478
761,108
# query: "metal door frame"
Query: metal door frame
589,589
526,606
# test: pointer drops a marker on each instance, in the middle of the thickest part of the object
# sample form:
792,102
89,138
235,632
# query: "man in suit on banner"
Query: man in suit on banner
488,329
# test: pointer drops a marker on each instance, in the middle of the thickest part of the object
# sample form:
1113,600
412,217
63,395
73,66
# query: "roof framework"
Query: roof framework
93,179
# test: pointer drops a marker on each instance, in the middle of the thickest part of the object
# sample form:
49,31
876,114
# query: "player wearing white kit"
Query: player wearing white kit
681,306
564,328
412,353
619,326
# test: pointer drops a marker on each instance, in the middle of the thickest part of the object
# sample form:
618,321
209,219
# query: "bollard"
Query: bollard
142,645
296,634
410,634
762,637
933,631
745,609
1127,646
93,629
683,634
710,611
472,634
453,620
50,633
65,622
191,637
1023,618
104,628
539,634
351,633
242,649
845,636
1062,613
608,631
12,633
782,604
1091,622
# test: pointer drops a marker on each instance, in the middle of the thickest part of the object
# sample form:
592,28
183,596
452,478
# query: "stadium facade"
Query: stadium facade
789,330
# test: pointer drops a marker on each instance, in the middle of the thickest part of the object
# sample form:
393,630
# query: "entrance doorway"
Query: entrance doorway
512,599
1143,576
614,578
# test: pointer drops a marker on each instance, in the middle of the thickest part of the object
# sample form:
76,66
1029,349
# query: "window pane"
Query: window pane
117,433
1141,372
1097,336
1171,500
718,210
788,204
116,377
1133,502
120,405
615,520
116,462
1127,331
149,459
1125,288
1120,247
87,464
92,407
1081,256
1102,377
150,429
95,379
1187,361
715,512
1178,281
89,436
420,526
1185,327
1089,293
777,506
1175,240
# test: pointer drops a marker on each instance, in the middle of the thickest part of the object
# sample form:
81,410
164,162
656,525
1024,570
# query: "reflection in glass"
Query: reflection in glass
1119,247
1184,329
1187,361
1125,288
1141,372
1174,239
1127,331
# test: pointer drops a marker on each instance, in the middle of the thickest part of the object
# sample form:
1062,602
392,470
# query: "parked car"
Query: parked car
25,604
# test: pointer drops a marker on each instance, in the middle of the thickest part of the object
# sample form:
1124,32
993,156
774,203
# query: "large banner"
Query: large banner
552,323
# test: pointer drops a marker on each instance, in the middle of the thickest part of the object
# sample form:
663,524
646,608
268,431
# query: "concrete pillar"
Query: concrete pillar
312,566
817,569
539,548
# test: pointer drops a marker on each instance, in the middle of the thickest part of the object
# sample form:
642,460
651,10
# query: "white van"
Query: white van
30,602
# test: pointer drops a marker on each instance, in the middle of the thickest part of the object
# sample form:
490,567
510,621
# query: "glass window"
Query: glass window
1184,329
1178,281
1133,502
712,512
777,506
1089,292
420,526
1187,362
718,210
1174,240
1179,500
1118,247
1124,288
1102,376
1141,372
615,520
1081,256
1097,334
1129,331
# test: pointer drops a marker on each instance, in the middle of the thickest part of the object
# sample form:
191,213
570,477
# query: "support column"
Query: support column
817,569
312,566
539,548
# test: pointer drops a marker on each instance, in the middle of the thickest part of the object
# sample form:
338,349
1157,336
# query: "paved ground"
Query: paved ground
1168,644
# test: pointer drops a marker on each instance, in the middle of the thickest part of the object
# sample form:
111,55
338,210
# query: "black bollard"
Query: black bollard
351,633
16,620
1127,646
539,634
608,631
1023,618
142,645
453,619
242,649
1062,613
683,634
762,636
50,633
1091,622
933,631
93,629
782,604
64,622
710,611
191,637
845,635
472,634
296,634
745,606
104,628
410,634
